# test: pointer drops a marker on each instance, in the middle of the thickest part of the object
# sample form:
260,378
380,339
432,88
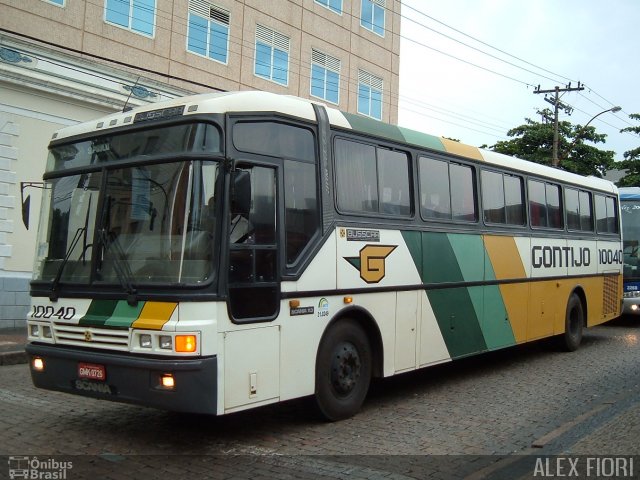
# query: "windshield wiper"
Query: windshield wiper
53,294
121,266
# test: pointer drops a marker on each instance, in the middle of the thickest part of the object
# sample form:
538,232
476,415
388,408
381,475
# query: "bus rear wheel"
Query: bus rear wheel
343,370
574,324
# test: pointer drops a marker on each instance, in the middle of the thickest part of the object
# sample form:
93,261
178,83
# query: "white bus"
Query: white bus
226,251
630,208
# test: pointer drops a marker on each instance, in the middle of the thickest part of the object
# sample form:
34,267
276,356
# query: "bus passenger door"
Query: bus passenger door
252,352
254,284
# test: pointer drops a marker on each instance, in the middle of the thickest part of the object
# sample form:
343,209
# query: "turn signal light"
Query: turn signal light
185,343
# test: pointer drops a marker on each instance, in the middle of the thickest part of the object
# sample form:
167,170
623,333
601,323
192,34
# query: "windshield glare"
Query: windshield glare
155,225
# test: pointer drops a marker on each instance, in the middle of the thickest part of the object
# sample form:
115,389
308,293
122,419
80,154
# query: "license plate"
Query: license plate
91,371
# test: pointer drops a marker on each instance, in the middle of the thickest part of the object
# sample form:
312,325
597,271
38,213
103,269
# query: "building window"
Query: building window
136,15
372,16
272,55
335,5
57,2
208,30
325,76
369,95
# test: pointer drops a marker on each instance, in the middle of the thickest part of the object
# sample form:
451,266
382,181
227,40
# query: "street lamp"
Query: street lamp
579,134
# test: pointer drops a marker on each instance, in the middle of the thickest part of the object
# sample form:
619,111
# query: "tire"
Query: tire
343,370
574,324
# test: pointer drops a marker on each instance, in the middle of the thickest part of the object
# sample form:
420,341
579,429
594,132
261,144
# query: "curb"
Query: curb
13,358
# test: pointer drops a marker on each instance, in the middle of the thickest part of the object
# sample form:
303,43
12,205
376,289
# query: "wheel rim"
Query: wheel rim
345,368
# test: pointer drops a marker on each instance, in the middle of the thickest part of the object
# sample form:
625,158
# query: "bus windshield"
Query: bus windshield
129,225
631,236
155,225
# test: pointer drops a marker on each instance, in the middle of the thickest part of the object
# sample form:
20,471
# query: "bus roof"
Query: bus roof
267,102
629,193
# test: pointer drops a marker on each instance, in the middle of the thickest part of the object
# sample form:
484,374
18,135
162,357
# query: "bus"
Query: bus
630,208
226,251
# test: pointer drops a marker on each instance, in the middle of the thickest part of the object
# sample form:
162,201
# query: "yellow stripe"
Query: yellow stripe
461,149
506,262
154,315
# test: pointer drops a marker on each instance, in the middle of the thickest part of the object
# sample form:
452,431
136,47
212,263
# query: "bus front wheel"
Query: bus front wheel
574,324
343,370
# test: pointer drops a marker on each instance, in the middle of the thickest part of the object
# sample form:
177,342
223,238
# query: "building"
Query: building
67,61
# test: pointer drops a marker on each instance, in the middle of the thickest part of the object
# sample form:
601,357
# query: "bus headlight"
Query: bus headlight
34,330
46,332
165,342
145,340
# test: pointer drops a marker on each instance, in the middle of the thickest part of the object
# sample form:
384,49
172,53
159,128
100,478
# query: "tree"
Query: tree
533,141
631,162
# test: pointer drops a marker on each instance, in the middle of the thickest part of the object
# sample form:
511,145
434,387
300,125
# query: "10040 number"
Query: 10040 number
61,313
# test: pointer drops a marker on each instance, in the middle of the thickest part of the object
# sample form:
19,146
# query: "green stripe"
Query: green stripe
98,313
124,314
471,319
392,132
495,324
454,308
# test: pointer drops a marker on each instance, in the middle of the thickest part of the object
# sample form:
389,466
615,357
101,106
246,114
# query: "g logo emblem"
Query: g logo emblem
371,262
87,336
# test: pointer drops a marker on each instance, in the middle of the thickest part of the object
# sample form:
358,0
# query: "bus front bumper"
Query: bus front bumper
127,378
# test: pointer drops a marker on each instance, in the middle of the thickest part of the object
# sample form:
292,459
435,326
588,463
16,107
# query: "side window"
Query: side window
356,180
606,214
579,210
544,205
463,193
537,204
446,190
275,139
503,198
586,211
554,206
371,179
393,178
493,197
301,207
435,199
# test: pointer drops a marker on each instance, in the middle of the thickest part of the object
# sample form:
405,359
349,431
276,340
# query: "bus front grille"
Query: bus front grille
91,337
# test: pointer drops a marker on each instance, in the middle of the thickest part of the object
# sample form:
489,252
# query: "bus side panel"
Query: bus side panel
302,327
506,263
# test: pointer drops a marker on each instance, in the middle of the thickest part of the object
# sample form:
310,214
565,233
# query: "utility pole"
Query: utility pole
557,104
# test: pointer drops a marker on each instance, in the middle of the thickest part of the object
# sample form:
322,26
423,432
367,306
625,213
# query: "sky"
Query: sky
537,42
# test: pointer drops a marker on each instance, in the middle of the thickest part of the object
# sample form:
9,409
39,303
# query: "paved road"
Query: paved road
531,400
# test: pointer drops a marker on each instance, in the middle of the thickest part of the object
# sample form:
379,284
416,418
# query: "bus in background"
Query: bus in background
226,251
630,208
